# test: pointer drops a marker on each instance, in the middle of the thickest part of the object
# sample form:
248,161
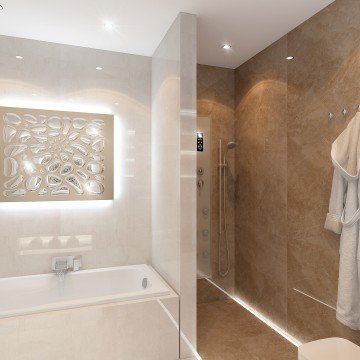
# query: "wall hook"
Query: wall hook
331,115
358,108
344,112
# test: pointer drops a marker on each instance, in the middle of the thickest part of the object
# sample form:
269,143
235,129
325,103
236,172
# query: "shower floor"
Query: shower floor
226,331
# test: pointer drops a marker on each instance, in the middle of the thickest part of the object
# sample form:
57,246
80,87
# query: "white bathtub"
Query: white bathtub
40,293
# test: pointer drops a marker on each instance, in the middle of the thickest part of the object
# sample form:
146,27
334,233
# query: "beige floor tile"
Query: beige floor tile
226,331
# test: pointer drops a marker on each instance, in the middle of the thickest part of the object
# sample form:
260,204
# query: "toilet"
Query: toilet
329,349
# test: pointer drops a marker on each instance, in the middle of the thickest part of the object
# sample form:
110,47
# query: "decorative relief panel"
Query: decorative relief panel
56,155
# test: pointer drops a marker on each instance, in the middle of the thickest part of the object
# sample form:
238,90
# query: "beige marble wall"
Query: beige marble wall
323,77
286,263
63,77
261,188
215,99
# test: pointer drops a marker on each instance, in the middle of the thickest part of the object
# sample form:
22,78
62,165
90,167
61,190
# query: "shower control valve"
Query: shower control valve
200,171
200,184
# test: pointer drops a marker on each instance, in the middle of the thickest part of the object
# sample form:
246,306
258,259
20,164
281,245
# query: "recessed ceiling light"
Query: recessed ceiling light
109,25
99,68
19,57
1,7
33,94
226,47
116,103
290,58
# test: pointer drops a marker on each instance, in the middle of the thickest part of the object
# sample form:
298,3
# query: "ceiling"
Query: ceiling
248,25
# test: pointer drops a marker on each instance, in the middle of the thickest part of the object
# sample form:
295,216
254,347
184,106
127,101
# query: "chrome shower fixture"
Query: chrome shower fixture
223,164
223,159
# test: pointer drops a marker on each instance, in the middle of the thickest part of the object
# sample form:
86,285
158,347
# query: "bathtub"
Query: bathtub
41,293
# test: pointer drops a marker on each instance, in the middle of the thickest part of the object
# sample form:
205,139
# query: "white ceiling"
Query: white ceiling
248,25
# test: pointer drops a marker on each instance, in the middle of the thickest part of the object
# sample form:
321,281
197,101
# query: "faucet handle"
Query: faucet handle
59,264
77,263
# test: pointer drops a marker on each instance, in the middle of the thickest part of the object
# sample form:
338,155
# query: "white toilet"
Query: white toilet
329,349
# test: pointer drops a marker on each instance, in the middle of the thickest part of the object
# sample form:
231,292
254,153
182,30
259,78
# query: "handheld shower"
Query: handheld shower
230,145
222,204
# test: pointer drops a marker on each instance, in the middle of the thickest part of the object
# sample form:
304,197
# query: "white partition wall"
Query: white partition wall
174,168
203,173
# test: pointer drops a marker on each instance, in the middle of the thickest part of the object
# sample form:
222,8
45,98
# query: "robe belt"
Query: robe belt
352,220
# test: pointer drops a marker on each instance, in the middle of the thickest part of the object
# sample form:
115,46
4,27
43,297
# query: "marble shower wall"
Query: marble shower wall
323,78
215,99
260,270
286,263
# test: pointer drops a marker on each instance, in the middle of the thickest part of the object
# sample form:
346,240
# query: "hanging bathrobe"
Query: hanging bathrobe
343,218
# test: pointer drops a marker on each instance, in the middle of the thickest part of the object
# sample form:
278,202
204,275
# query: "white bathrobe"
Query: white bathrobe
343,218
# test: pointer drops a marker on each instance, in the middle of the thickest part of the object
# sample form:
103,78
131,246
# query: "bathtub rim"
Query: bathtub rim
117,299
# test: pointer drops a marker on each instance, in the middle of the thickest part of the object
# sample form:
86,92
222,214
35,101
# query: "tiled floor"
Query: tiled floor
226,331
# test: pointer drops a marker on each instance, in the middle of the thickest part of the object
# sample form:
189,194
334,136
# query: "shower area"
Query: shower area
216,178
245,266
206,232
272,272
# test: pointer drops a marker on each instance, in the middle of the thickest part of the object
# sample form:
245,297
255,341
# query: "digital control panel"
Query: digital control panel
200,141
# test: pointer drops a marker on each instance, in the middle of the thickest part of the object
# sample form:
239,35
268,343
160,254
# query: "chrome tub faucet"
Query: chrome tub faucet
61,265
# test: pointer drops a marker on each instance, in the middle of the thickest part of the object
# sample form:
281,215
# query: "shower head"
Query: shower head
230,145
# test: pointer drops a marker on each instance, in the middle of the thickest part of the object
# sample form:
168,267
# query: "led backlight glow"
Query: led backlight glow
84,204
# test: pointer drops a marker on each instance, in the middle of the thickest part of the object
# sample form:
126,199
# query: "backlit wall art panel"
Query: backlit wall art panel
56,155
